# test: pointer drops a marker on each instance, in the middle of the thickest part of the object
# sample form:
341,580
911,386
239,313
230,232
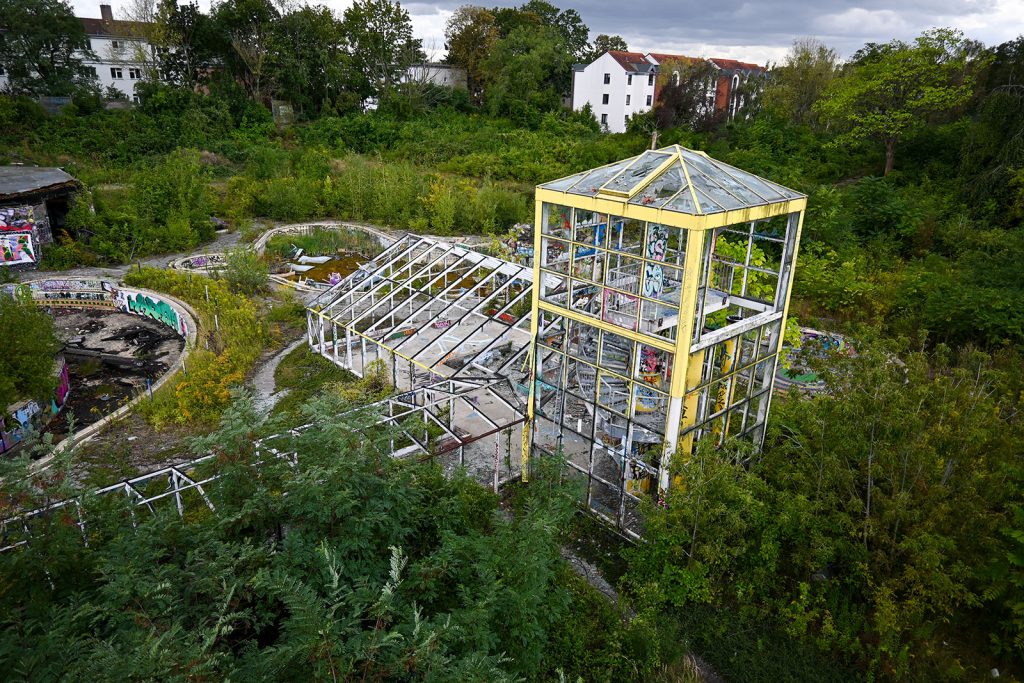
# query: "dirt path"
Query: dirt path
263,383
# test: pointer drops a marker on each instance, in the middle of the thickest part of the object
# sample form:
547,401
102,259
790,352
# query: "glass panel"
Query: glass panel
583,341
563,184
554,289
663,188
621,309
616,353
586,297
654,368
552,330
584,264
624,273
707,204
627,235
612,393
645,164
682,203
591,228
559,221
545,434
605,500
591,184
576,481
555,255
676,252
659,319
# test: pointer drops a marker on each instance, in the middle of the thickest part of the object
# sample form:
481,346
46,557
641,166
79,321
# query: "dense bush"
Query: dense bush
870,528
228,346
349,565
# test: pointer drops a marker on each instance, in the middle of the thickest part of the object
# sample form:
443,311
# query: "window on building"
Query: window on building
604,98
115,72
626,121
648,100
604,119
675,78
607,79
117,44
627,100
629,79
135,74
650,80
136,99
95,74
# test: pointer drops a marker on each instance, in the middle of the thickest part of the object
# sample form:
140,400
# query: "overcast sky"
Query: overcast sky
749,30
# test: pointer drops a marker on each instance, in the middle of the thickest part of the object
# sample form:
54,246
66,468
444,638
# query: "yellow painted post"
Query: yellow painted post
680,415
534,328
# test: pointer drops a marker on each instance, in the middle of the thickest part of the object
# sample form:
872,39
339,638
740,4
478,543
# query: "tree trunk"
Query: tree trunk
890,152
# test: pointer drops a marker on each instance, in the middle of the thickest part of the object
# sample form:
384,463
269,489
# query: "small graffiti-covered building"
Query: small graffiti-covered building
34,202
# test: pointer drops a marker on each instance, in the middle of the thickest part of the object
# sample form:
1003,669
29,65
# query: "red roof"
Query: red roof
102,27
628,60
734,64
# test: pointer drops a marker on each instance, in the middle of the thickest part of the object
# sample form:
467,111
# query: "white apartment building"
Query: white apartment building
118,53
122,55
618,85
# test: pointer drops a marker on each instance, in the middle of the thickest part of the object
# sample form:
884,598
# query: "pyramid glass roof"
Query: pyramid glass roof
678,179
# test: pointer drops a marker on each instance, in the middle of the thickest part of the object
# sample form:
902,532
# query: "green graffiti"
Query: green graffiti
158,309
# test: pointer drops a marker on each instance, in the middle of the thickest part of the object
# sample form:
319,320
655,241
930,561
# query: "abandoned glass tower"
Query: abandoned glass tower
661,287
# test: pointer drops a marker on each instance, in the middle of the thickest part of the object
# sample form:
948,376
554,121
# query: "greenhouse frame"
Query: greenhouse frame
662,285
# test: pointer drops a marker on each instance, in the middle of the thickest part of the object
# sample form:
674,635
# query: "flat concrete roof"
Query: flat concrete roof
21,180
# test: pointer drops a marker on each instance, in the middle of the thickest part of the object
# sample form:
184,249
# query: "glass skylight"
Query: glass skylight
693,184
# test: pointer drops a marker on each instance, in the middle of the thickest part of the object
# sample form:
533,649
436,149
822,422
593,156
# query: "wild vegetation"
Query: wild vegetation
877,535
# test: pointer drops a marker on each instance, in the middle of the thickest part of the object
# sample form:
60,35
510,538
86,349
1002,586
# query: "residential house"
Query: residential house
119,54
618,85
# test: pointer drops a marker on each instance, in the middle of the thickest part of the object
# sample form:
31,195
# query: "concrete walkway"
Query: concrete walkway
263,383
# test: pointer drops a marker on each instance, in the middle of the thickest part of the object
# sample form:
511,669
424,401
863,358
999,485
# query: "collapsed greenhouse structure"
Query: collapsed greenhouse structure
652,318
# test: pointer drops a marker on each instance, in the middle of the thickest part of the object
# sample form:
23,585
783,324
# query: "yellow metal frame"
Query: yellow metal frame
687,366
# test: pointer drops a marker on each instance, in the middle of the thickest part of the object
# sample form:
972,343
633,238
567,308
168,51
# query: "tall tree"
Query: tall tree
890,90
470,36
605,43
526,73
245,30
686,95
379,34
41,47
309,60
798,83
184,39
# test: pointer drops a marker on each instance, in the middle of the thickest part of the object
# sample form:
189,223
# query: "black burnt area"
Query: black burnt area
110,357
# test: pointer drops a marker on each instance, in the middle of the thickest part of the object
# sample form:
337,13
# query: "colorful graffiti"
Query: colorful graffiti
16,249
26,412
150,307
17,219
654,275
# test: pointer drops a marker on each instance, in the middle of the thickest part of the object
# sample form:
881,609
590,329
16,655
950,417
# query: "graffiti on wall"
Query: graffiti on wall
17,219
16,249
654,274
150,307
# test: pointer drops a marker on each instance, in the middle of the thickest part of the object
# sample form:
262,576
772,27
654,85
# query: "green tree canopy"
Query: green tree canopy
797,84
605,43
26,366
891,90
470,36
381,44
41,43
